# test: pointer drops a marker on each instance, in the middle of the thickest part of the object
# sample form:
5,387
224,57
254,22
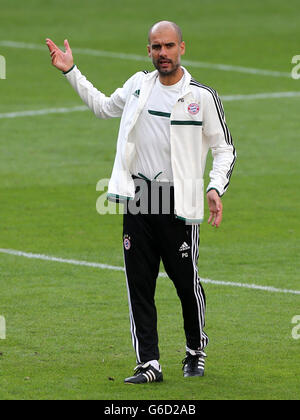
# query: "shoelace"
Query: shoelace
141,368
200,356
148,373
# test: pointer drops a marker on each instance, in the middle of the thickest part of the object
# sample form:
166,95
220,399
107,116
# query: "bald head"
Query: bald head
165,25
165,48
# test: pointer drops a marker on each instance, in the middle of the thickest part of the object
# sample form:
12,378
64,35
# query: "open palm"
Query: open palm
61,60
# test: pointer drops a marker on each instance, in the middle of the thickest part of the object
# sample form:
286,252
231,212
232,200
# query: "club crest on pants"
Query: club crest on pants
127,242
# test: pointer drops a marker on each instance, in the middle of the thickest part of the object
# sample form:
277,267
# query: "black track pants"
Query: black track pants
148,239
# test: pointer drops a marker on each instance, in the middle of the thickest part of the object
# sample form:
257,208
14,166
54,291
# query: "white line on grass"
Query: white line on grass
135,57
228,98
48,111
116,268
254,96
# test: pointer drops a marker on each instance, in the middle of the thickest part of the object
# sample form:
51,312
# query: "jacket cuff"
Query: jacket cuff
68,71
213,188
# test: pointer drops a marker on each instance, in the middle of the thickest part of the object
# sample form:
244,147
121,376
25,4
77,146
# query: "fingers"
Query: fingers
214,219
54,59
211,217
218,219
50,48
67,46
215,216
55,56
51,45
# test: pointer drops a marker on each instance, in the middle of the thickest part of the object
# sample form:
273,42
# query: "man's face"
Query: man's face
165,50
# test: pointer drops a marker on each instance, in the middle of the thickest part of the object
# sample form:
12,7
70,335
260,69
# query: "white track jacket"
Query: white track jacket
197,124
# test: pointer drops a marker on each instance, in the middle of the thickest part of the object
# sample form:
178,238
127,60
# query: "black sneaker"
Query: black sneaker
143,374
194,365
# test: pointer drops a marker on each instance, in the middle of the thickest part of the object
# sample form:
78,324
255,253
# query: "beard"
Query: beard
159,64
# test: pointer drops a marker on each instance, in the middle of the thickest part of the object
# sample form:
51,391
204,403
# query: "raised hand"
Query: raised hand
61,60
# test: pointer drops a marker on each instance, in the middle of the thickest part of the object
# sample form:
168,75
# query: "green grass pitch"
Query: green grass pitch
67,326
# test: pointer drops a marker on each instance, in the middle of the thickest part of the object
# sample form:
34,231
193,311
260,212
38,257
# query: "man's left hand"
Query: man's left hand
215,208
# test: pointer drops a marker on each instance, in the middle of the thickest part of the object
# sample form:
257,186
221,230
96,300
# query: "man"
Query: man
169,121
